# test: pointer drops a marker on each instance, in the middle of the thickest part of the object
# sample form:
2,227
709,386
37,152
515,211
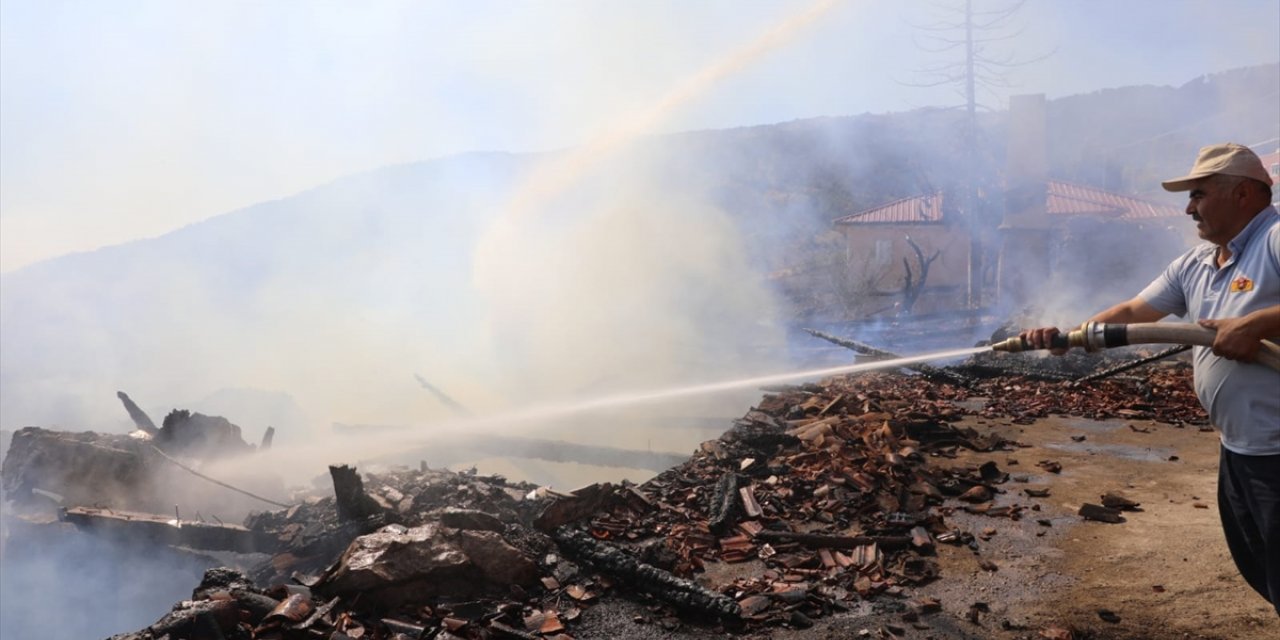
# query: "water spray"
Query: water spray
1093,336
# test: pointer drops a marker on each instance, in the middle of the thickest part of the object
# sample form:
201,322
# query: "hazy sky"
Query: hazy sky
124,119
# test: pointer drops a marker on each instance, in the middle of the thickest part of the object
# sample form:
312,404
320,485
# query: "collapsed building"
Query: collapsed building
825,500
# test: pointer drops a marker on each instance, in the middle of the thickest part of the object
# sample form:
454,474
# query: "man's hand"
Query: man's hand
1127,312
1041,337
1235,340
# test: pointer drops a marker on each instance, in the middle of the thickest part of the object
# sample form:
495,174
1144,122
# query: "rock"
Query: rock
396,566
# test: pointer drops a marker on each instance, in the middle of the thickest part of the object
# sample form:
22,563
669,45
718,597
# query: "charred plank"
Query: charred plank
663,585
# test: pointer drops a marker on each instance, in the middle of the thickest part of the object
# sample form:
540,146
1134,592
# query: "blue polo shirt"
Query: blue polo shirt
1243,399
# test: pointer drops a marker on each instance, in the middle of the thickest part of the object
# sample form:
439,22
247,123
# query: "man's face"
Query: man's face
1215,210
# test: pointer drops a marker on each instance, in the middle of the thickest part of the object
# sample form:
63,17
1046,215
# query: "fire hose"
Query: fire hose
1093,336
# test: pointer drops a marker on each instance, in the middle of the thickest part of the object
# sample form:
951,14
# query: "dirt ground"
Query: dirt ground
1164,573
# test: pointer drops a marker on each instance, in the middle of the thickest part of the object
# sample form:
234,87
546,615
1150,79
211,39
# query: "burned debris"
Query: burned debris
821,497
126,472
82,468
200,436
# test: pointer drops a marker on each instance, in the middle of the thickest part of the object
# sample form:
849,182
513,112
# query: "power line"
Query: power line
217,482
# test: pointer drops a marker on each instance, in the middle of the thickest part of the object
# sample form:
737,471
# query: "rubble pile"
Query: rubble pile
1164,394
825,490
822,498
431,550
307,537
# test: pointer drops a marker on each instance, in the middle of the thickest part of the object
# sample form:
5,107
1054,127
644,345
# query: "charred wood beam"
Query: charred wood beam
139,417
649,579
726,508
933,373
157,529
821,541
348,490
1121,368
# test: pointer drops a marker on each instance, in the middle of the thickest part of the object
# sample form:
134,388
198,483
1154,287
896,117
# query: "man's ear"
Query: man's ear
1241,191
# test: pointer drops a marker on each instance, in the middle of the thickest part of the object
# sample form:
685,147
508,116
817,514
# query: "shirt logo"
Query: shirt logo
1241,284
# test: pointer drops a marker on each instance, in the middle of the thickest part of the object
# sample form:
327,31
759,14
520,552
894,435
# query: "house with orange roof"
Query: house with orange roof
878,240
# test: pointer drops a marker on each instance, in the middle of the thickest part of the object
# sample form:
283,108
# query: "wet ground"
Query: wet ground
1164,573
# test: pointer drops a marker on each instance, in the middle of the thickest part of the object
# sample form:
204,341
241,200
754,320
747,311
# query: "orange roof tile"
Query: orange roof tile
1073,199
917,209
1064,199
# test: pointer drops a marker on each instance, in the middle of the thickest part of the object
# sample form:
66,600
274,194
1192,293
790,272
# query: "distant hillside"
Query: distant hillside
350,287
1149,133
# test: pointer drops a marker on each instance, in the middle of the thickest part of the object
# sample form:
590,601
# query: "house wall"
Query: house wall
874,256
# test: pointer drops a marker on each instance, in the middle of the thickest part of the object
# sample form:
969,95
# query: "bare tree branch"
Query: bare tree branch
911,287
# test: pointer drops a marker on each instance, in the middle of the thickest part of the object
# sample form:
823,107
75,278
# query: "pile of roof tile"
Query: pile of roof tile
825,489
1164,394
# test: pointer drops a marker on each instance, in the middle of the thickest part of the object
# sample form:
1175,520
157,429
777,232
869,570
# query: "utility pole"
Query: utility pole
973,292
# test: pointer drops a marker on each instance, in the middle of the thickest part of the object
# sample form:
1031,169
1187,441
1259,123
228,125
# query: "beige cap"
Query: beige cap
1229,159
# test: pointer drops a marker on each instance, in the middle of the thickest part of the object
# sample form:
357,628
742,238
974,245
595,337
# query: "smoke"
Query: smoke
521,286
592,276
59,583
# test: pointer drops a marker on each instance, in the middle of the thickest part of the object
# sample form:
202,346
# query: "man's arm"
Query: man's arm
1240,338
1133,310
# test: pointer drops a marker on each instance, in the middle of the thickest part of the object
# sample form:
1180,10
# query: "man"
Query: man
1231,284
